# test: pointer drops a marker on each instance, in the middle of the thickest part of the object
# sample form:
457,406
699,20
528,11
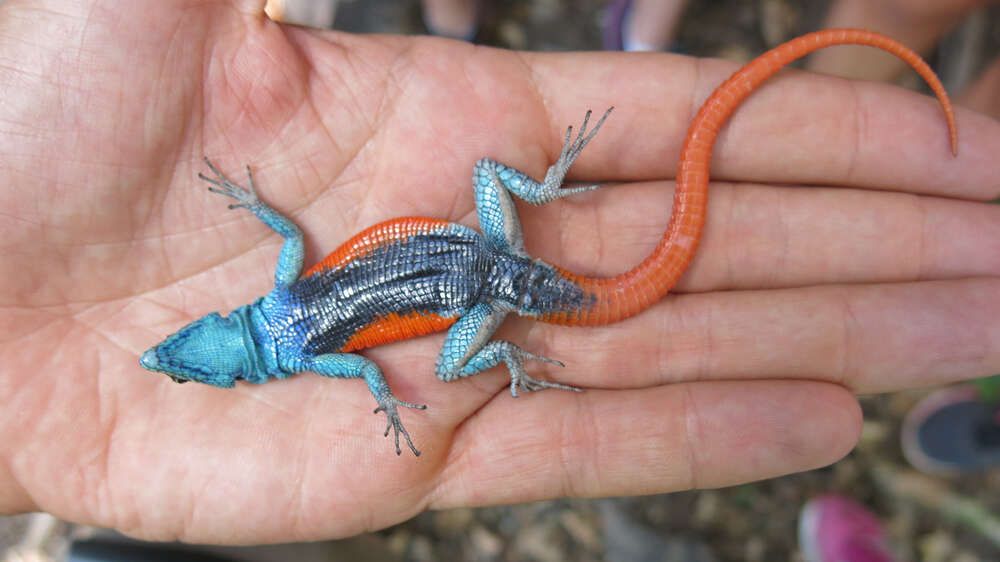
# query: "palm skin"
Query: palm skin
798,298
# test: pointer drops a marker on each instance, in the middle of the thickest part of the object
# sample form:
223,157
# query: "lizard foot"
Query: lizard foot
388,405
550,187
224,186
519,378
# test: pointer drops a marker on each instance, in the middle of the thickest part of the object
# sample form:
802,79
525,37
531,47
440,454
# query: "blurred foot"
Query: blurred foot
952,431
835,528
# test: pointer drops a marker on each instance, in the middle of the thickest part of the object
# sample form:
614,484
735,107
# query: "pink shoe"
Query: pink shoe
835,528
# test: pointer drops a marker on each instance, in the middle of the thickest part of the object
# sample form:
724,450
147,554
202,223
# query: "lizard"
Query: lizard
412,276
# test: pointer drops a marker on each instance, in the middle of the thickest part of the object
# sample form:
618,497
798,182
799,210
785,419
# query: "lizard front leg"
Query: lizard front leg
494,183
468,350
349,365
292,254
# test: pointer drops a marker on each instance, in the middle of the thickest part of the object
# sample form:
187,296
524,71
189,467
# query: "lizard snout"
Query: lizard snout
149,360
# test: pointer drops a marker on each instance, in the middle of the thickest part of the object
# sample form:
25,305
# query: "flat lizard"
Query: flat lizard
412,276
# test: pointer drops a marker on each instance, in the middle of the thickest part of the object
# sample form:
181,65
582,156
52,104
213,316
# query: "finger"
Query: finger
870,338
603,443
760,236
797,128
767,237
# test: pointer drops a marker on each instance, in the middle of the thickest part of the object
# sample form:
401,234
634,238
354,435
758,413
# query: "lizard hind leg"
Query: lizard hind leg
468,351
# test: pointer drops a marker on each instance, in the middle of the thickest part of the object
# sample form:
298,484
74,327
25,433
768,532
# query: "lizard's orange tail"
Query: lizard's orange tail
617,298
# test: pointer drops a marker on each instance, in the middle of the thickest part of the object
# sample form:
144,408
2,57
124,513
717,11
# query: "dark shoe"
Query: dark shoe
952,431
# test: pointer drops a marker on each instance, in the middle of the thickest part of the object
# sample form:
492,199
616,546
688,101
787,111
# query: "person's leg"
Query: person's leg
984,94
919,24
642,25
451,18
652,24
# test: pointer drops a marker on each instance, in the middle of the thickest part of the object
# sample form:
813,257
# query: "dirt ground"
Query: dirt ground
752,522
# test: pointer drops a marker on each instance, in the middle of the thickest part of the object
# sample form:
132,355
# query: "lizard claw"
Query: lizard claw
572,147
388,405
519,378
224,186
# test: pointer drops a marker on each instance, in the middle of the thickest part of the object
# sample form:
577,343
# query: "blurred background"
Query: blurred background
926,469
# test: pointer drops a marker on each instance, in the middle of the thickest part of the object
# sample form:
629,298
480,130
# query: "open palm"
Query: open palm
799,297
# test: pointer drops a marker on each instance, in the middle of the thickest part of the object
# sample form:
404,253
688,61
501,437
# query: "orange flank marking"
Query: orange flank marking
373,237
396,327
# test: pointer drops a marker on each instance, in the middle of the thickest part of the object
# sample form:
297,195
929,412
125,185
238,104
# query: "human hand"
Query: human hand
881,275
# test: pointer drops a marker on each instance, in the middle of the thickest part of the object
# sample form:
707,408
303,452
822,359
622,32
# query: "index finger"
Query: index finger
796,128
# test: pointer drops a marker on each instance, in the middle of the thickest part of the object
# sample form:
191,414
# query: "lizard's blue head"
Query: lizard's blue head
211,350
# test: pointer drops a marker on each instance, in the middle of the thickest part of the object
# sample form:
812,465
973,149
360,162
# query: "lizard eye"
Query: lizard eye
178,380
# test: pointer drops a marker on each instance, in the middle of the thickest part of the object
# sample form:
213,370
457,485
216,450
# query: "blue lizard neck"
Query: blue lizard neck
246,317
261,341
